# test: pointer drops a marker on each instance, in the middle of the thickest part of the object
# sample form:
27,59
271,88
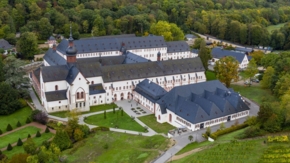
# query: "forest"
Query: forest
238,21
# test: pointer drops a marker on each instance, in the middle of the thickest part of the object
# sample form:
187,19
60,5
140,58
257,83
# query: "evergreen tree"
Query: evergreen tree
38,134
9,127
1,132
1,70
62,140
29,136
114,110
9,147
18,124
19,143
47,130
28,120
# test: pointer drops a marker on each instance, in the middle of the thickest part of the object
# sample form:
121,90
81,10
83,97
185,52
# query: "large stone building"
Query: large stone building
82,73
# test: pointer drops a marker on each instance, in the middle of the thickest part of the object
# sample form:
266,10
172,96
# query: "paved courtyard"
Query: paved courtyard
128,105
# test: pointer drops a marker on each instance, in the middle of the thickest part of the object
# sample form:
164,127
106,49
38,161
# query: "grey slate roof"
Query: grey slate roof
5,45
110,36
54,73
143,42
96,89
177,46
249,50
150,90
37,74
51,38
56,95
53,58
72,74
218,52
133,58
202,101
195,51
151,69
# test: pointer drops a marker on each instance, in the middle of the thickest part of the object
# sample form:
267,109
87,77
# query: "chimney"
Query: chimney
54,47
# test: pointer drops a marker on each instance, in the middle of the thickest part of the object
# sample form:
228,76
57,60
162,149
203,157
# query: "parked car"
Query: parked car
248,83
255,80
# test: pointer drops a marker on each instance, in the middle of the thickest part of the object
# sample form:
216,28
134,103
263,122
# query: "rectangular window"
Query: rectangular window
80,105
84,103
76,105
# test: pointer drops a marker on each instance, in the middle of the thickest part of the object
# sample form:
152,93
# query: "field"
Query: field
38,141
20,115
210,75
274,27
13,137
150,121
113,147
113,120
63,114
255,93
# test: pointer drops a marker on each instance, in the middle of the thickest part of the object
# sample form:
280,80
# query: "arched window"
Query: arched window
82,94
56,87
92,82
78,95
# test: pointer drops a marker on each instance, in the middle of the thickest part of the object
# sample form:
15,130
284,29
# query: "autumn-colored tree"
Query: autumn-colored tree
282,85
257,55
169,31
21,157
227,70
78,134
267,77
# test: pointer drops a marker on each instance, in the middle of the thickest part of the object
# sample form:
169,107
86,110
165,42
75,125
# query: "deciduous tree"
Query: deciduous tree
227,70
30,147
27,45
257,55
251,69
204,54
62,140
282,85
268,77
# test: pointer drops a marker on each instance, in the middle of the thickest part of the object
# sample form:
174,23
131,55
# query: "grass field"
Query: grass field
274,27
122,148
150,121
255,93
20,115
13,137
38,141
63,114
210,75
113,120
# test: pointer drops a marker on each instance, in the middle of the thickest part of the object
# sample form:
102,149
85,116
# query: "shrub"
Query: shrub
78,134
9,127
216,134
47,130
29,136
28,120
38,134
62,140
39,116
1,132
85,129
9,147
18,124
22,103
19,142
100,128
30,147
106,146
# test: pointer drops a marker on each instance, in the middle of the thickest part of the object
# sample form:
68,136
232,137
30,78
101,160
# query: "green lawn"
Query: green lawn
63,114
210,75
20,115
113,120
13,137
238,152
150,121
255,93
274,27
19,149
193,145
122,148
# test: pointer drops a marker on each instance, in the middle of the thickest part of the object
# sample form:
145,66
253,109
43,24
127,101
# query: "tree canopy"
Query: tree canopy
27,45
227,70
169,31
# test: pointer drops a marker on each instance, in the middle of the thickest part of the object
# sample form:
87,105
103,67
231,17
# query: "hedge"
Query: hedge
100,128
218,133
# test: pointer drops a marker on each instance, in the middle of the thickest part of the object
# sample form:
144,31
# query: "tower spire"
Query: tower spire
70,33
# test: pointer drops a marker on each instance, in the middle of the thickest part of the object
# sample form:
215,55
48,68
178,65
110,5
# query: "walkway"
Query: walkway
35,100
34,124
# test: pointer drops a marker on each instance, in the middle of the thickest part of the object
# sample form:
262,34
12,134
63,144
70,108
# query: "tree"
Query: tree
105,116
285,104
204,54
2,73
270,116
190,137
72,124
62,140
197,42
1,132
27,45
28,136
49,154
9,127
282,85
9,147
8,104
78,134
47,130
38,134
18,124
21,157
19,142
45,29
28,120
169,31
269,60
30,147
226,70
257,55
251,69
268,77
